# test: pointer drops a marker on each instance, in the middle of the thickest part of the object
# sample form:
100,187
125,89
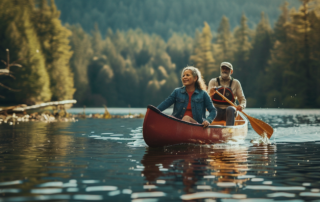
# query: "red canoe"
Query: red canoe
161,130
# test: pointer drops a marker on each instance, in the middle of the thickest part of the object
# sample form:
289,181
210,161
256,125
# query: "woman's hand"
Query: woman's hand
205,124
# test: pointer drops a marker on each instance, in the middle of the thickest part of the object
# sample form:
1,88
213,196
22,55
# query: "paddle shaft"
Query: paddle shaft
231,103
226,99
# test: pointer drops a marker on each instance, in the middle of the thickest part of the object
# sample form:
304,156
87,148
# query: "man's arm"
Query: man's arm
211,84
240,95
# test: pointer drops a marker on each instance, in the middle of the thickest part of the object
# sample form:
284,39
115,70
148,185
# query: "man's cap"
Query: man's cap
226,64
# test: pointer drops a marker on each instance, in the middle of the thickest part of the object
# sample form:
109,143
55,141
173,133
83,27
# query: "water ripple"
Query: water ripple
111,162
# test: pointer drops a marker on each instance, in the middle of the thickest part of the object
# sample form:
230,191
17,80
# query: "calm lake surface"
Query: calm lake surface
107,160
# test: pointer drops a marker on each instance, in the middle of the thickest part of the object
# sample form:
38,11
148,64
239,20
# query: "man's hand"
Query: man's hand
205,124
239,108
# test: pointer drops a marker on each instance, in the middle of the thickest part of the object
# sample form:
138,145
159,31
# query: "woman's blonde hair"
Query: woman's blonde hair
200,84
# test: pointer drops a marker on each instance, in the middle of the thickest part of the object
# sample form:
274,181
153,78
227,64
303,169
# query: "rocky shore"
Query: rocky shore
14,118
37,117
23,113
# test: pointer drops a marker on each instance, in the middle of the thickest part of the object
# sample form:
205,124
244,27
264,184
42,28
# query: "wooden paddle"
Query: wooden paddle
258,125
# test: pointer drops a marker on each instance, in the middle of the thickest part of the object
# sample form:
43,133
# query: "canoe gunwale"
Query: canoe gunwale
153,108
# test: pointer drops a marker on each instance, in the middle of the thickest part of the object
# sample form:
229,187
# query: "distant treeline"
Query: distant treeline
277,67
164,17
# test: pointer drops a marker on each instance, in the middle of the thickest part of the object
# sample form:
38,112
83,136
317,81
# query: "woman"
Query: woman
191,100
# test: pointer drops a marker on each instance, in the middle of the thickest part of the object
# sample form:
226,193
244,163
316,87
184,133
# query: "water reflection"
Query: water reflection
221,168
107,160
229,163
31,151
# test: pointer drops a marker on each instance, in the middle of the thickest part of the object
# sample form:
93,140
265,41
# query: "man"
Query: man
232,89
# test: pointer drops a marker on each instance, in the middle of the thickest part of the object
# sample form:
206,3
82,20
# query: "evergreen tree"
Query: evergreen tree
224,43
299,41
80,43
277,63
21,39
102,72
280,33
259,56
97,42
129,88
160,63
55,46
293,55
146,74
203,54
134,68
315,48
179,48
101,80
153,87
163,17
242,49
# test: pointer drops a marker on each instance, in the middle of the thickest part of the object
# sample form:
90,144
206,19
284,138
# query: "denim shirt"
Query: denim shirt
200,101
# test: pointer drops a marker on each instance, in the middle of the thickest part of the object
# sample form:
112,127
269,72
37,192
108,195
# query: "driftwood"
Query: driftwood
22,108
6,71
19,113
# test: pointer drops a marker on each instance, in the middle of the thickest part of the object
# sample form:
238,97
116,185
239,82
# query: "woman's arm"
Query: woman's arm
209,106
168,102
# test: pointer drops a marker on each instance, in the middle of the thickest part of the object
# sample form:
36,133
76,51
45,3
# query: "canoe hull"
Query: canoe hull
162,130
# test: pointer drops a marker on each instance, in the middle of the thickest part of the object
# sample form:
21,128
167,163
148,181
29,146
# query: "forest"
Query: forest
164,17
137,61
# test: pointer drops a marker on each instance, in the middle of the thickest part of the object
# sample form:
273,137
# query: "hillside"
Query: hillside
164,17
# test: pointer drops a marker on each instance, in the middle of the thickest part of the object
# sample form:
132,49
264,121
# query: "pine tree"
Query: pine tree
55,46
278,63
259,56
97,42
203,54
261,46
152,90
102,80
106,70
242,49
21,39
293,56
315,48
80,43
179,49
224,43
280,33
299,41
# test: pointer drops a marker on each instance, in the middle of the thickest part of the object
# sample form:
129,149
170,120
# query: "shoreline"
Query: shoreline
47,117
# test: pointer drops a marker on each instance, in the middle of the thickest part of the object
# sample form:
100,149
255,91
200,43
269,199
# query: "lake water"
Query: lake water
107,160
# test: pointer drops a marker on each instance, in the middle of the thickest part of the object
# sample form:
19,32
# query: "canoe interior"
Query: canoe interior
239,121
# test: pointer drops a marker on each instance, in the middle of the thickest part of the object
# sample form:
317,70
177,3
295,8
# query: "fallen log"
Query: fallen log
64,104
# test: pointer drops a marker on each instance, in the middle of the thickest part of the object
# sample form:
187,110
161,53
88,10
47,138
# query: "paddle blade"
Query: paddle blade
260,126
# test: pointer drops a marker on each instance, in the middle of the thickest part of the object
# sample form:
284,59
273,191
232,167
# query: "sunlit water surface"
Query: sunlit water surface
107,160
